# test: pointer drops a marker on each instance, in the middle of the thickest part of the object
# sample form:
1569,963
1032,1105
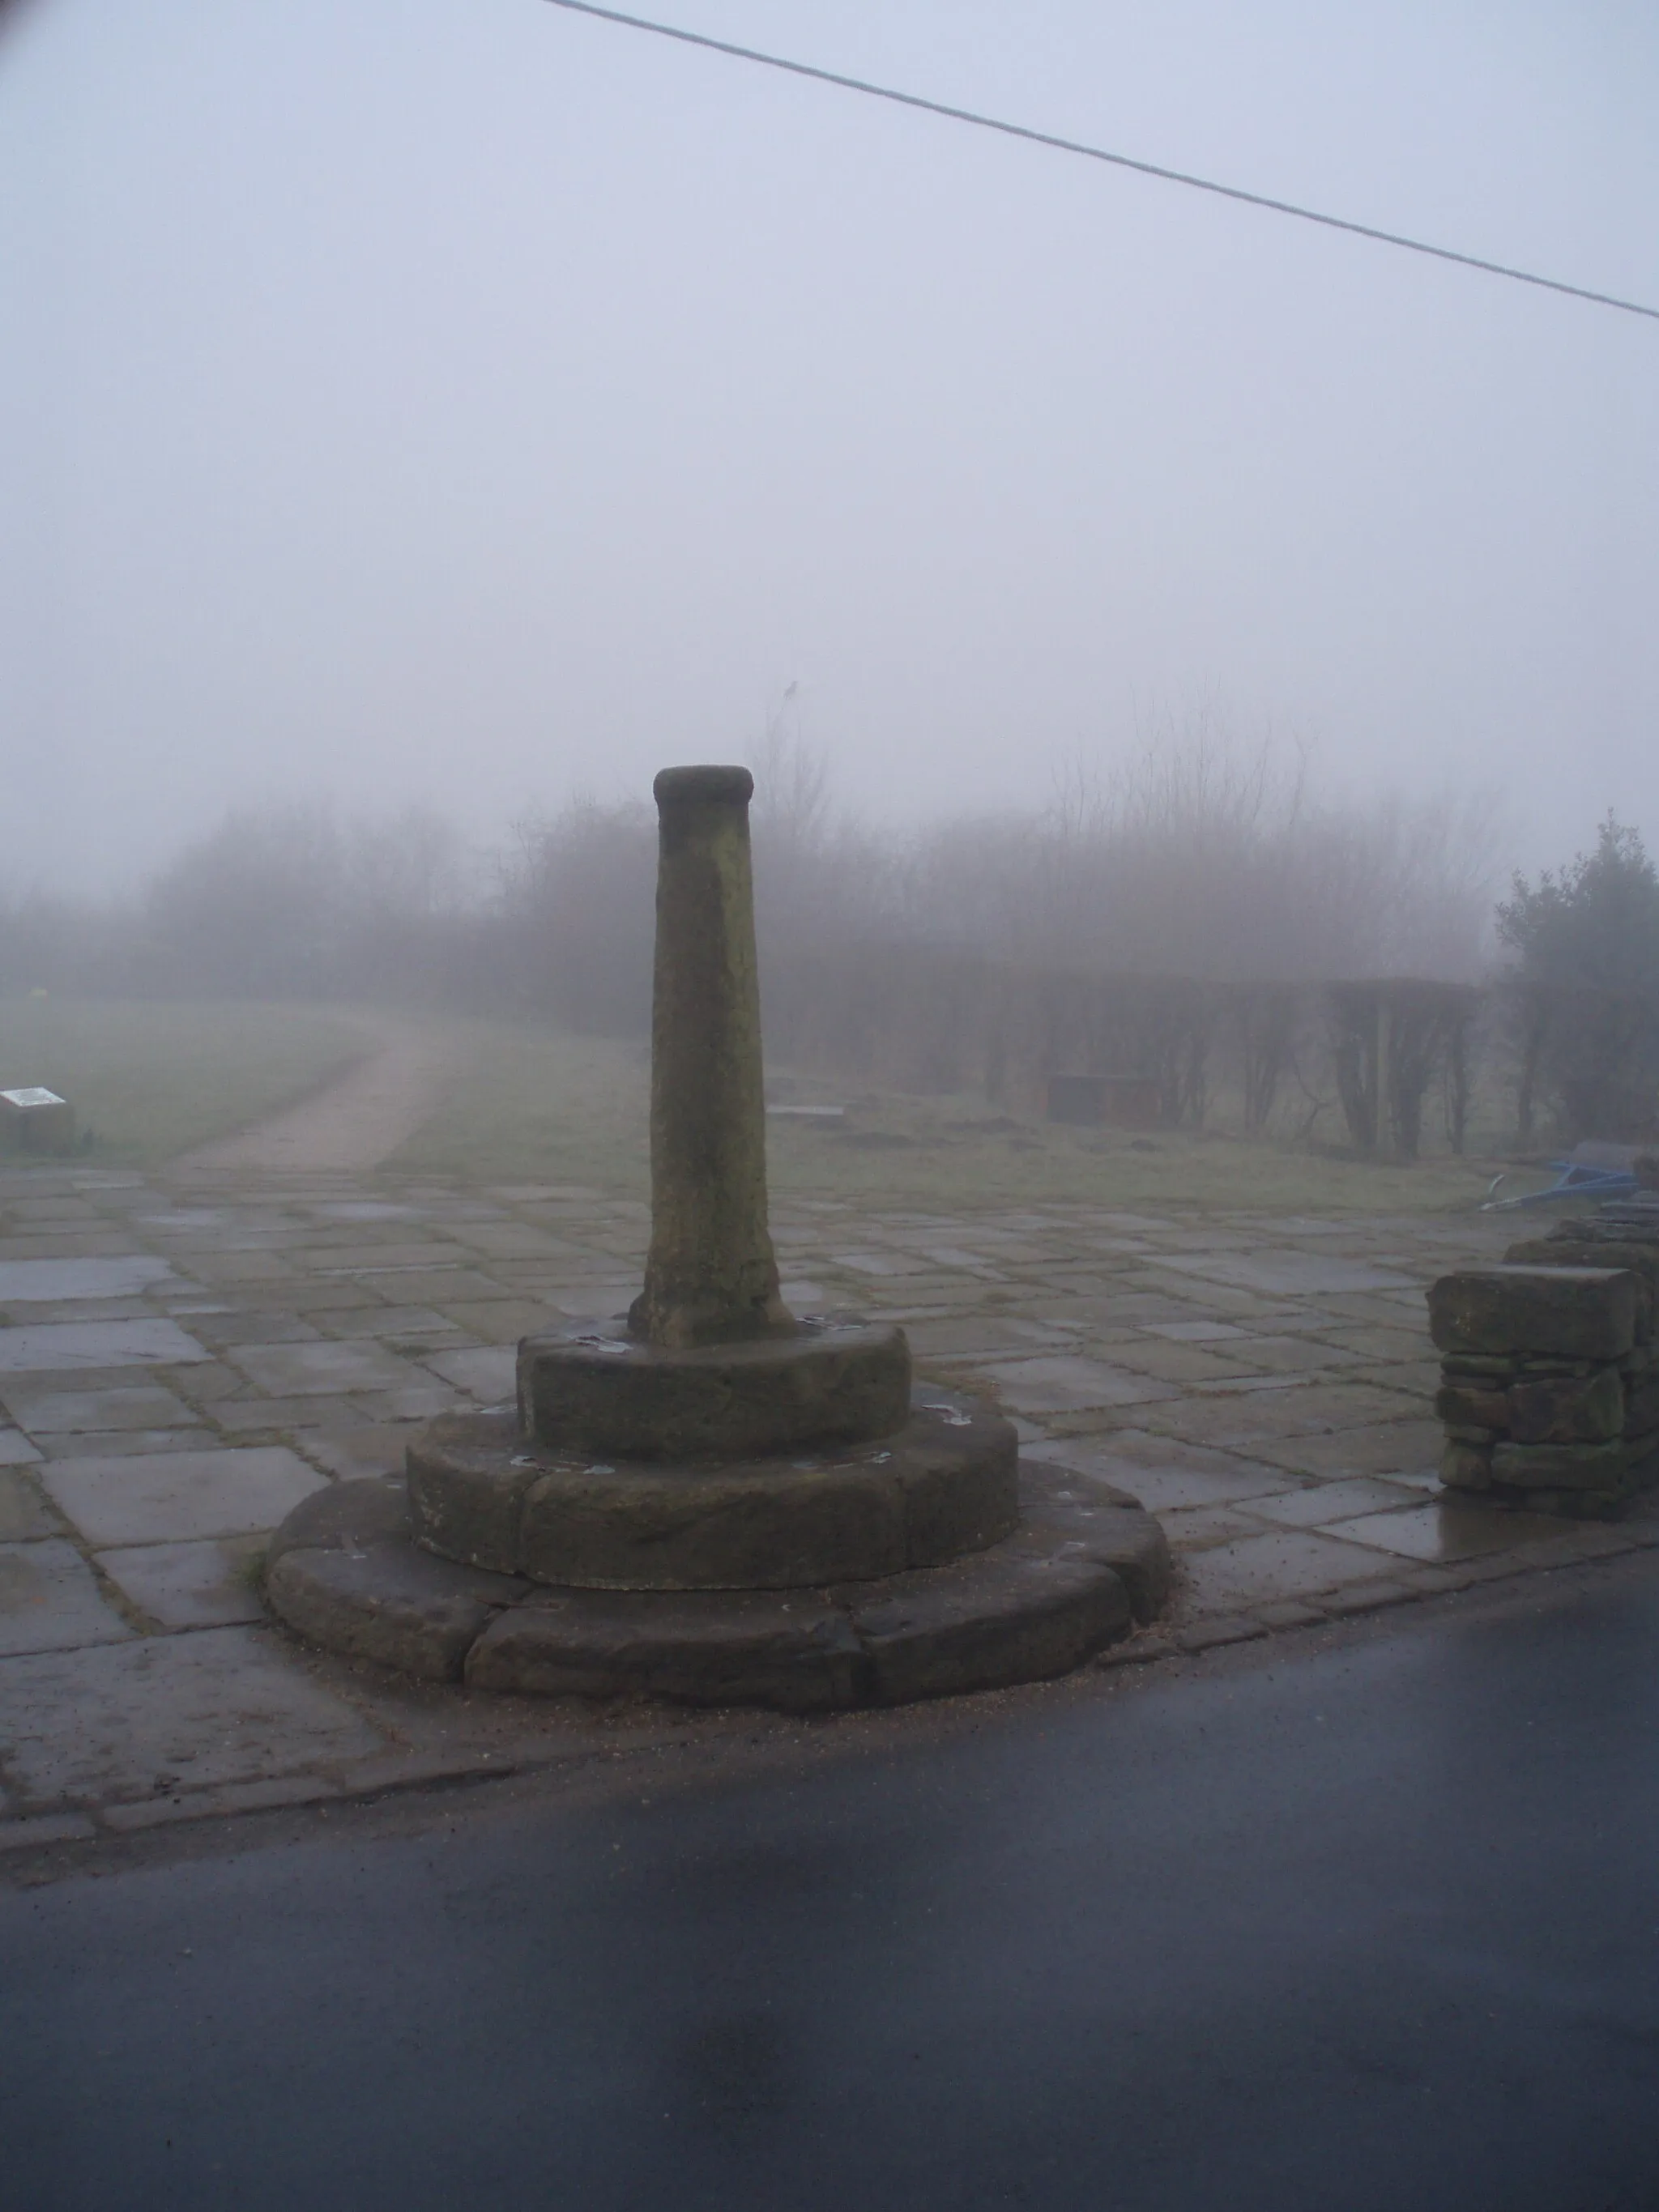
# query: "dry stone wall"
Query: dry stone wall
1550,1368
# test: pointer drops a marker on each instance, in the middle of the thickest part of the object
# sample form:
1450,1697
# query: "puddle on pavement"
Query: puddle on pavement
1448,1529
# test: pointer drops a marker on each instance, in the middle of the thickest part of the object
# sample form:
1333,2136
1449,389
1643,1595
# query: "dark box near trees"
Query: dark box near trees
1118,1102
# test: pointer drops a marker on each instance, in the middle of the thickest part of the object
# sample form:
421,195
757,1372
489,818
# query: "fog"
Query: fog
470,406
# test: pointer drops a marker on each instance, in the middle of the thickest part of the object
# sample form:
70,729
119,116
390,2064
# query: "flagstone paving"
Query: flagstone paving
182,1360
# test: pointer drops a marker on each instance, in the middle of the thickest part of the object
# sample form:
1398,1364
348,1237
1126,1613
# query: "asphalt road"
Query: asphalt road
1369,1926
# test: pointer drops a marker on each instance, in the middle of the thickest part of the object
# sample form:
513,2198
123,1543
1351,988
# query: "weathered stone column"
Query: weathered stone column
711,1276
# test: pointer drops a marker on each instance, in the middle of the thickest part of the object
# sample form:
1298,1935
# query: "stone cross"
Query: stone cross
711,1276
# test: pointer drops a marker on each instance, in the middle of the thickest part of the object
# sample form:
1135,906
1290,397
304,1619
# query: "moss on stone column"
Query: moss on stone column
711,1276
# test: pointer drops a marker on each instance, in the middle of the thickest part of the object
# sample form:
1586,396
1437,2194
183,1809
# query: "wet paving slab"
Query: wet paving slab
210,1583
46,1411
1286,1563
299,1370
178,1368
159,1496
1444,1530
1063,1385
151,1716
27,1281
50,1600
61,1348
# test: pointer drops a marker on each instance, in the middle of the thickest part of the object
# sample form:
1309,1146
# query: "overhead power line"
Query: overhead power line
1100,153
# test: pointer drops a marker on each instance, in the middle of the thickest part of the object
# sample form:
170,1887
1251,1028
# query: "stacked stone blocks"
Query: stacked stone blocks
1550,1372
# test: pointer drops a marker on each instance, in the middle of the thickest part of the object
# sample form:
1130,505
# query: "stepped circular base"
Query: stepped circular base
944,1484
594,1390
1083,1563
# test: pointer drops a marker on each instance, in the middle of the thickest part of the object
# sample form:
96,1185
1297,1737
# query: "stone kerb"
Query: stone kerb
1549,1393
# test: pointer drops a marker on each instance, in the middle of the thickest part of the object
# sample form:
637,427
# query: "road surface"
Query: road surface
1361,1922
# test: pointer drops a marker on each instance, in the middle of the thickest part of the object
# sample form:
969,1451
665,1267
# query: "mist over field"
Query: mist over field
1161,630
473,409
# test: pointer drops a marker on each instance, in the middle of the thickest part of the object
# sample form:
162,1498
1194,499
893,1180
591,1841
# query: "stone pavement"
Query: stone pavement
182,1359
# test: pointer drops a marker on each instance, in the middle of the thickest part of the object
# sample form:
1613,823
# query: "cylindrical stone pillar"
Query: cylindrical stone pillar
711,1276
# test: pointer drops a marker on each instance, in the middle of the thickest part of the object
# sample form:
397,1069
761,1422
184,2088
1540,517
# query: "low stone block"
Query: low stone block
1560,1467
792,1652
987,1623
1493,1370
1642,1410
468,1473
1466,1466
764,1526
1558,1251
368,1590
945,1483
959,1474
600,1391
1223,1629
1118,1533
1576,1313
1568,1411
344,1516
1564,1504
31,1833
1465,1405
1368,1597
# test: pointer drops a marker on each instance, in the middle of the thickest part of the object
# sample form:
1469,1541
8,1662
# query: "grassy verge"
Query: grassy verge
150,1080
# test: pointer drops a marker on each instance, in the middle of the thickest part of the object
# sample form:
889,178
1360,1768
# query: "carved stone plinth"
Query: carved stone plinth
602,1392
942,1483
1083,1566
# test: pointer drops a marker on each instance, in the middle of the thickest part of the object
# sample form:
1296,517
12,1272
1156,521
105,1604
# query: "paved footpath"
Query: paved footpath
1361,1920
182,1361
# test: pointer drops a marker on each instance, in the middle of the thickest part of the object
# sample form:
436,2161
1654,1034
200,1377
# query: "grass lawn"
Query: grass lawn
533,1107
524,1105
150,1080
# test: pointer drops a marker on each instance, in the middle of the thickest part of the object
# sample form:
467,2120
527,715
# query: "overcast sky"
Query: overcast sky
461,401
